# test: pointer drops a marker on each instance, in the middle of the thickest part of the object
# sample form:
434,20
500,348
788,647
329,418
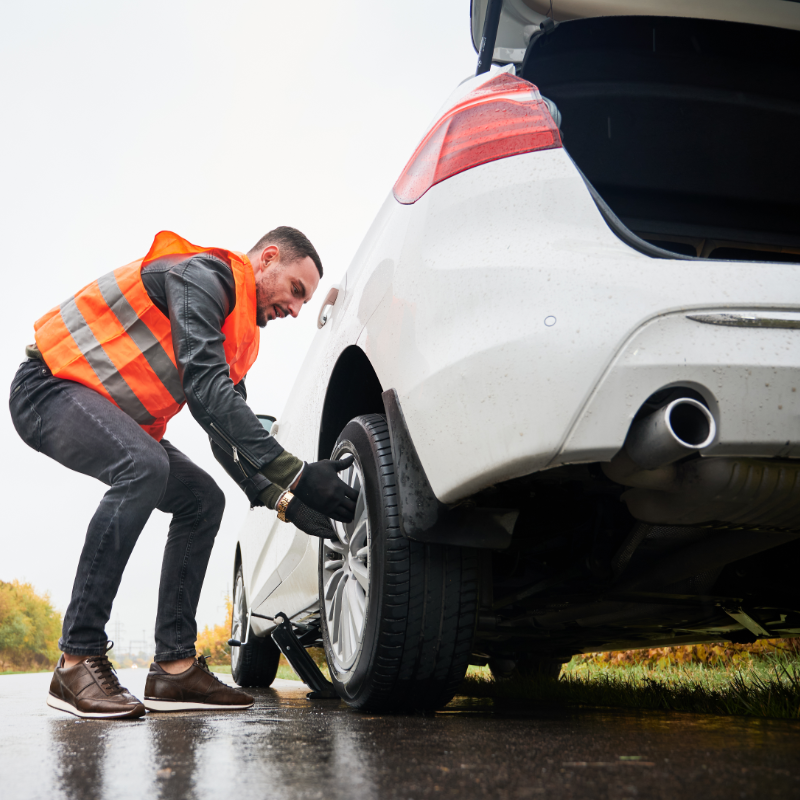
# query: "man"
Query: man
110,367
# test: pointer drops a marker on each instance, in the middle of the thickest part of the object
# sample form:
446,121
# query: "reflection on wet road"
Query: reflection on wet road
289,747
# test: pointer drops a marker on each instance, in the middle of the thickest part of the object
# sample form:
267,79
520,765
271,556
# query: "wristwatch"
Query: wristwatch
283,504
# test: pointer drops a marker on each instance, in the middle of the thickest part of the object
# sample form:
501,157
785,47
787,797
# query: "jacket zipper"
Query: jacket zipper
235,450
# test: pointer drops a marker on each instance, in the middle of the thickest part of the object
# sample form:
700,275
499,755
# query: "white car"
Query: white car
565,358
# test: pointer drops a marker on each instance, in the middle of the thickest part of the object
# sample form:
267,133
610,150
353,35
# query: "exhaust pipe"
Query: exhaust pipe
676,430
742,491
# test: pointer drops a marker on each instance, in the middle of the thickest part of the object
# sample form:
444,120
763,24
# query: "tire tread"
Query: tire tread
427,611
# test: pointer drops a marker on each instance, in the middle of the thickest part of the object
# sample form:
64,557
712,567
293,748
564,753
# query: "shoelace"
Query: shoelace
202,662
105,671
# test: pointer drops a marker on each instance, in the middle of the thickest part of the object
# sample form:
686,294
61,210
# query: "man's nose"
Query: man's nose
294,307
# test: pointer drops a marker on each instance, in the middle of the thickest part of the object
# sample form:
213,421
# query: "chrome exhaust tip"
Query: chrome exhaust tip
676,430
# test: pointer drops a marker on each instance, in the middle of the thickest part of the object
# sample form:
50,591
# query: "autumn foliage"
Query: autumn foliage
716,655
29,629
213,642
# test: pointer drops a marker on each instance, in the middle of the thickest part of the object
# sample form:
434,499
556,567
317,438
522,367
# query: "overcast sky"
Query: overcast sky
216,120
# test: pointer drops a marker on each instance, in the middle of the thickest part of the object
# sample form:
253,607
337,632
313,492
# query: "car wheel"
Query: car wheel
398,616
254,663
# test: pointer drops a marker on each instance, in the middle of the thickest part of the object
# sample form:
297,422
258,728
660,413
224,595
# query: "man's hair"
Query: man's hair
292,244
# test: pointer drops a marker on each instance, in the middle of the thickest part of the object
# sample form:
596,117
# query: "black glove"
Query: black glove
320,488
309,521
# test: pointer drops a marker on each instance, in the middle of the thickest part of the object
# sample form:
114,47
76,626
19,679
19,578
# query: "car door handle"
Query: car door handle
327,306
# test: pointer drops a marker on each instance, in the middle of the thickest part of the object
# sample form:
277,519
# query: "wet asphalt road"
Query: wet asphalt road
288,747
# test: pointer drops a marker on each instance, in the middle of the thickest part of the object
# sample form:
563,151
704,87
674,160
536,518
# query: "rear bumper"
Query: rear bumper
521,334
749,377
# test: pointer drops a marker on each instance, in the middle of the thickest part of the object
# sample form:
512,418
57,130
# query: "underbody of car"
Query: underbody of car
568,373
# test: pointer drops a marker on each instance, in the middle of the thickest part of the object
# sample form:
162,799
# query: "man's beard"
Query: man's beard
261,311
264,295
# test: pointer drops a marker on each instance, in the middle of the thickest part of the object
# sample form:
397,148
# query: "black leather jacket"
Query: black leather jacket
197,294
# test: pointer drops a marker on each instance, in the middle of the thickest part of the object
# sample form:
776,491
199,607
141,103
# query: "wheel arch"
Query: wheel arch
353,389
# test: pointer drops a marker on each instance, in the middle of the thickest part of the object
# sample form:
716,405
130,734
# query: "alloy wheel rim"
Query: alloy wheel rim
239,617
346,581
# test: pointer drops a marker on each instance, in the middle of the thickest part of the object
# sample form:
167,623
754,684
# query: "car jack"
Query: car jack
302,663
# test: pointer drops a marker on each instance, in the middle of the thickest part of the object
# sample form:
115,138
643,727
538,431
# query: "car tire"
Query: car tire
410,647
255,663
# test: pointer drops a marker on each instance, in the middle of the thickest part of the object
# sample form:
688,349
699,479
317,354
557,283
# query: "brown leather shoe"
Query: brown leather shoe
91,690
194,689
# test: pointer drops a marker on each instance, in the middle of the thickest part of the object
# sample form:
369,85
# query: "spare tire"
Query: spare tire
398,616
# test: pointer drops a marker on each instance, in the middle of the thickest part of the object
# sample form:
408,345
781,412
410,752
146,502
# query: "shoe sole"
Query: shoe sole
175,705
63,705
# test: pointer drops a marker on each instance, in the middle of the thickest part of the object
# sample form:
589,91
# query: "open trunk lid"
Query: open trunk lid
521,18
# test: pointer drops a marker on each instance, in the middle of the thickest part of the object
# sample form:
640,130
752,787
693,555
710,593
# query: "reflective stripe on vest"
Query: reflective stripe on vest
103,367
144,338
110,337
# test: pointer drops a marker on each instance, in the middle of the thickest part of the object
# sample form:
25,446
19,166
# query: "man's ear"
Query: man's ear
269,256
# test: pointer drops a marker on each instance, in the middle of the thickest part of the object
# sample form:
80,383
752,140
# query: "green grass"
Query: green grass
766,687
25,672
286,673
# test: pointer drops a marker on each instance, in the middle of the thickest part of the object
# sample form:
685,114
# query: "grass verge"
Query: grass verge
766,687
25,672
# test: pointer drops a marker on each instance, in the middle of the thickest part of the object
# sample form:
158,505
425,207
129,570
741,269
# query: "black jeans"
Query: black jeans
82,430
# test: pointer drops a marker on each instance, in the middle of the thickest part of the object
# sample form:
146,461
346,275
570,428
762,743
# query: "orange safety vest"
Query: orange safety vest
110,337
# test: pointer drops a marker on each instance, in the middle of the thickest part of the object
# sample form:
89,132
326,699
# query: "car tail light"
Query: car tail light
503,117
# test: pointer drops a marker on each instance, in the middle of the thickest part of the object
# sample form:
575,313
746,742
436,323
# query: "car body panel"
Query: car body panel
263,546
275,575
297,592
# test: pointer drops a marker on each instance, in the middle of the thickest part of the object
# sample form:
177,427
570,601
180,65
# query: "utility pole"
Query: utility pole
119,630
